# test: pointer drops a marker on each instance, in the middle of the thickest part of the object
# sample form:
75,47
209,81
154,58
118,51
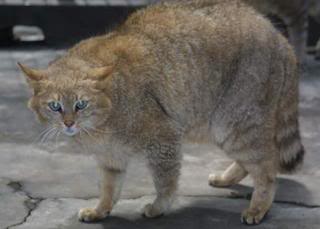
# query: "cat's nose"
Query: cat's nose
68,123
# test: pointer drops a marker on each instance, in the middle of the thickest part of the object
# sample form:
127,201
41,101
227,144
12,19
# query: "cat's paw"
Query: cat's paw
91,215
152,211
216,181
252,217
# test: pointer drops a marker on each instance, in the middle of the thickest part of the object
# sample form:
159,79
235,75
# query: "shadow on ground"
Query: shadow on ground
288,191
189,217
209,212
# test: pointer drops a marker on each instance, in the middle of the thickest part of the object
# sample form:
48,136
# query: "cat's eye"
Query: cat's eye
81,104
55,106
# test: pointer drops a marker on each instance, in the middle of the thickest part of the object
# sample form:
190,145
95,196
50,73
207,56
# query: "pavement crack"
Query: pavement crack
30,204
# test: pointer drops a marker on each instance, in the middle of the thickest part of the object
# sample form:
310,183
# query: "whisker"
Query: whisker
44,135
57,134
79,140
47,135
95,139
86,131
43,132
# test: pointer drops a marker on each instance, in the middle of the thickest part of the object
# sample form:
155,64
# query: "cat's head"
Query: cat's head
69,100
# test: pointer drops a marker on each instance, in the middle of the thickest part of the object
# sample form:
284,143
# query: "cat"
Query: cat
170,70
294,14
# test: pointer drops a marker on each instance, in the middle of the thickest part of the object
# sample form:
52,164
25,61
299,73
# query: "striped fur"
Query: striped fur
288,138
291,149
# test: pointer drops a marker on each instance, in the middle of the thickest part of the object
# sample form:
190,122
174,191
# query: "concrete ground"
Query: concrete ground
43,186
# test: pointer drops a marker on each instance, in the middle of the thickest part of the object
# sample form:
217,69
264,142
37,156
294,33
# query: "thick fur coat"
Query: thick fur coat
214,71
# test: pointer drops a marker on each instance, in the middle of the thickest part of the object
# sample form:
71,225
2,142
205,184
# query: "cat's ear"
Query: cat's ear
100,73
33,77
32,74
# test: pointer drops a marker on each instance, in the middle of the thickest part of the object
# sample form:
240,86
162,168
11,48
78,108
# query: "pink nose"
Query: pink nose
68,123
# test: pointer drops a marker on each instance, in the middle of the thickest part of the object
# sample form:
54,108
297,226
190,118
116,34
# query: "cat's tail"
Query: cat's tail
290,147
288,139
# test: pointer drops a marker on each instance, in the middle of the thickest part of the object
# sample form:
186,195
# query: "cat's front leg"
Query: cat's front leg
110,191
164,163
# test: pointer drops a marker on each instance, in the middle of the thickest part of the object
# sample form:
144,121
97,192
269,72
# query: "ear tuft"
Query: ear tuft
100,73
32,74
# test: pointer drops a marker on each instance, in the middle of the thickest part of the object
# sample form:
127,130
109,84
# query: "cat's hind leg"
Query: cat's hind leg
263,175
232,175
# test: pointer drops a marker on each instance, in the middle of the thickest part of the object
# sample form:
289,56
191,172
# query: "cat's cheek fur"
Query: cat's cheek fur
34,105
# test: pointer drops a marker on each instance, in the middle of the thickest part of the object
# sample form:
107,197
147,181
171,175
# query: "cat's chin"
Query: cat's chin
70,133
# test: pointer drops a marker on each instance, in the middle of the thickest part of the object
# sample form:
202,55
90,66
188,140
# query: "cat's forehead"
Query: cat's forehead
67,95
64,82
55,91
67,83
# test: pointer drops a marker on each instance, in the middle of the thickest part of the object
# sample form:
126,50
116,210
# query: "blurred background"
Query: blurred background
58,23
61,23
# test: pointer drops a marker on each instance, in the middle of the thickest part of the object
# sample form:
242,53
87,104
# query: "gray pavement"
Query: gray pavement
43,186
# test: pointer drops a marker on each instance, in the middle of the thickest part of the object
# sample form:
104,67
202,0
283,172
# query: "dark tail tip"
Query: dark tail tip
292,165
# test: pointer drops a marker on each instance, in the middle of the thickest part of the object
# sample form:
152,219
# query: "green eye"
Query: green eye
81,104
55,106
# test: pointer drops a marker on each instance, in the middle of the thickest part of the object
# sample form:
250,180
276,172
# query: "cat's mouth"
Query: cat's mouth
70,131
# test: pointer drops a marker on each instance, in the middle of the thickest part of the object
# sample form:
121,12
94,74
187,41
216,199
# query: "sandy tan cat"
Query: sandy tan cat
170,70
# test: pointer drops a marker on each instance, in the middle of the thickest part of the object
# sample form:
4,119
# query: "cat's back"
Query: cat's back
206,49
194,18
214,27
